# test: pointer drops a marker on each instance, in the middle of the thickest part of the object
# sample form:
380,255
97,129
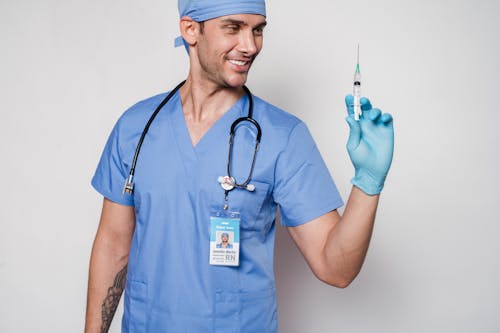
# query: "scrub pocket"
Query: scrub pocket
135,307
246,312
249,204
227,312
259,312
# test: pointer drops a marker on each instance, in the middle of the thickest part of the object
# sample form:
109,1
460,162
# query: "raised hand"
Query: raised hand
370,146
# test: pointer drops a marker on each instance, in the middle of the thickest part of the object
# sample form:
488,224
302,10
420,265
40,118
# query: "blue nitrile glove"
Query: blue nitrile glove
370,146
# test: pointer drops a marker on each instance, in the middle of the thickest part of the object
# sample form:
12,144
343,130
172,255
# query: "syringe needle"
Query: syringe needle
357,62
357,90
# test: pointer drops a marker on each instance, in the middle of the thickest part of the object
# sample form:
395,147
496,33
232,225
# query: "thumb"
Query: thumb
355,133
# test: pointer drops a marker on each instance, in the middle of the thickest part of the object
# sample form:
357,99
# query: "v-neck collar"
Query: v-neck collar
220,129
222,124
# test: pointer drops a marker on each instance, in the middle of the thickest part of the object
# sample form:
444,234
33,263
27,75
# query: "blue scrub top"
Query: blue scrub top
170,285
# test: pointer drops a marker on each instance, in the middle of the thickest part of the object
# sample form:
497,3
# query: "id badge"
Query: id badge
224,238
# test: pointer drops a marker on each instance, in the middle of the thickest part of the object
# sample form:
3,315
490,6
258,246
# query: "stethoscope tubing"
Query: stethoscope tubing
129,184
256,148
150,121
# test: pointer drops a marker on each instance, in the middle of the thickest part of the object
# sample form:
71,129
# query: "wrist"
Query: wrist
368,183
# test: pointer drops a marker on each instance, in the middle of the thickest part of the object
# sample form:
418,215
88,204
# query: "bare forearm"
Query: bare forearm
348,241
107,275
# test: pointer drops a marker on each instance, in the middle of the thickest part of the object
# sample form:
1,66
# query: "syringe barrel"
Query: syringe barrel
357,99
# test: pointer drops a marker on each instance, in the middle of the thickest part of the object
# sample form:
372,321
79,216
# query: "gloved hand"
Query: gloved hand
370,146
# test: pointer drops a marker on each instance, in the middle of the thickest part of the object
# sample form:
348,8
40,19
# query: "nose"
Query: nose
248,43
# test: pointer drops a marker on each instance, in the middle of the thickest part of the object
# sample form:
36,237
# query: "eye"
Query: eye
258,31
232,28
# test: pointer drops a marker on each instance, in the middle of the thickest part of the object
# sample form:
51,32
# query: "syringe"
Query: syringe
357,91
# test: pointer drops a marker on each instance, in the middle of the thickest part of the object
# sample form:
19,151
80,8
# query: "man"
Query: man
169,284
224,242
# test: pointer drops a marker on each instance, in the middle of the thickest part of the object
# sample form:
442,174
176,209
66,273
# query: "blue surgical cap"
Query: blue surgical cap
202,10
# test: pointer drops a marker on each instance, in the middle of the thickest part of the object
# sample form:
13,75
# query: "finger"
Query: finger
374,115
386,118
354,134
365,104
349,103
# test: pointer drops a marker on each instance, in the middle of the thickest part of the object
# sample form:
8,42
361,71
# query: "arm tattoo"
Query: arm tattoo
112,299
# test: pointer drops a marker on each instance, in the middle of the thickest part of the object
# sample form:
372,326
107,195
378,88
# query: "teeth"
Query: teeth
238,62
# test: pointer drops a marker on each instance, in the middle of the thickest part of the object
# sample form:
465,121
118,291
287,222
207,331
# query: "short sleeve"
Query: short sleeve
304,188
111,172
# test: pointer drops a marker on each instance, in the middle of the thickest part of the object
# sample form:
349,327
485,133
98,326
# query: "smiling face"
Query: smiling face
226,48
224,238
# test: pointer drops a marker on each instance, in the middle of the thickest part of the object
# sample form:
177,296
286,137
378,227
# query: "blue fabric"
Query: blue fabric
202,10
170,285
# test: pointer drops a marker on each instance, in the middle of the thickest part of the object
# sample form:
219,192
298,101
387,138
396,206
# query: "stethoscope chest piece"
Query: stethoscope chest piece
226,182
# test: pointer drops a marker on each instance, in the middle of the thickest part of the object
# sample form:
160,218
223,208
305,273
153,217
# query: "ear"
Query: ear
190,30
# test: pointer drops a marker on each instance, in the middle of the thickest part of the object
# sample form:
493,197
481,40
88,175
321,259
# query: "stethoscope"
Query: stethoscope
228,183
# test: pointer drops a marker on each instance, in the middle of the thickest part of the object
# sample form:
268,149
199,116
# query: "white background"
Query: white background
69,68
